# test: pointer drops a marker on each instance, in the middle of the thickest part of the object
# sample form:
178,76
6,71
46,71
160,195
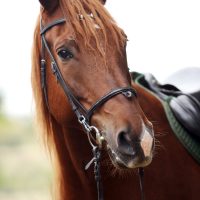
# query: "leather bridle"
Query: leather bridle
80,111
83,115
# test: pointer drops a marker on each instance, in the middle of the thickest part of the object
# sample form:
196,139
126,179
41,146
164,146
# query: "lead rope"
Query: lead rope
96,160
96,154
141,179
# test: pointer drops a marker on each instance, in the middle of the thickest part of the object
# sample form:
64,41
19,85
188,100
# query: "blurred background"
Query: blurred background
164,37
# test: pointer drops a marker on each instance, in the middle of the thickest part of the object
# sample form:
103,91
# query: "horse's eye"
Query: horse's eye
65,54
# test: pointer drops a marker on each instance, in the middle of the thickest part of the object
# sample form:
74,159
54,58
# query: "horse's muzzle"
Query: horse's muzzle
132,152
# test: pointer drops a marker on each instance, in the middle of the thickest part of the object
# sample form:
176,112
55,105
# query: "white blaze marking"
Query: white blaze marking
146,143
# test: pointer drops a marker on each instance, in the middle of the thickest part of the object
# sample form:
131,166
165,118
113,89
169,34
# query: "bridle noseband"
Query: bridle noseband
83,115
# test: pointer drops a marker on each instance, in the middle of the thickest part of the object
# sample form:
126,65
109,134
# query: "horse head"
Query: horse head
90,51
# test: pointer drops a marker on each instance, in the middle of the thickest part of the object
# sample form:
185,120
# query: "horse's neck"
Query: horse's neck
171,156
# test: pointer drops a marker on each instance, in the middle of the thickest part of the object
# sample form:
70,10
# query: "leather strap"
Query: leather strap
108,96
49,26
77,107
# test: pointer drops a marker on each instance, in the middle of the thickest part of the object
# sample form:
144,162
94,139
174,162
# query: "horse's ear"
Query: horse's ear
49,5
103,2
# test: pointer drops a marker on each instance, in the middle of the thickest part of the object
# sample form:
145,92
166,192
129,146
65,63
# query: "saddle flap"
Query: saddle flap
187,113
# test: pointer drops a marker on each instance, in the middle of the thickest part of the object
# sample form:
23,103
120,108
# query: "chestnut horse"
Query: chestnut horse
82,45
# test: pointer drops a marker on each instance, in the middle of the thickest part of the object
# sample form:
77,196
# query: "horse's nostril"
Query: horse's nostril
124,143
123,138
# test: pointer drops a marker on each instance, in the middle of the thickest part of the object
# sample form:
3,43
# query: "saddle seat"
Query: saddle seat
185,106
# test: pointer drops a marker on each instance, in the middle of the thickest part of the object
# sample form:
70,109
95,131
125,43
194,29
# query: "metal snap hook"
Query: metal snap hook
99,137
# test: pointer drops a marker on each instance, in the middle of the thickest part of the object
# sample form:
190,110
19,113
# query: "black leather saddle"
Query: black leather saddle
185,106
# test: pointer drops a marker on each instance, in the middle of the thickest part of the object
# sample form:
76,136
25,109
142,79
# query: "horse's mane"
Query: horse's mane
84,28
44,119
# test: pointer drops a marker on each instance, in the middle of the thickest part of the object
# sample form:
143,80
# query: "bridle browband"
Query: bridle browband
83,115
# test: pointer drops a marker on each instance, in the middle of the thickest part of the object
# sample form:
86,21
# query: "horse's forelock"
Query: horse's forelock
77,13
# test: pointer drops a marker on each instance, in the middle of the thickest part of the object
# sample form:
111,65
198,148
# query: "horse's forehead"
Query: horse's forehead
61,33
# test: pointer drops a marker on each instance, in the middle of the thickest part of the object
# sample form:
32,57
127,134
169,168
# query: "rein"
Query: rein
83,115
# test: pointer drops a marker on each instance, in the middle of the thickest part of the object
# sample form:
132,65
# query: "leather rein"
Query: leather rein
83,115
